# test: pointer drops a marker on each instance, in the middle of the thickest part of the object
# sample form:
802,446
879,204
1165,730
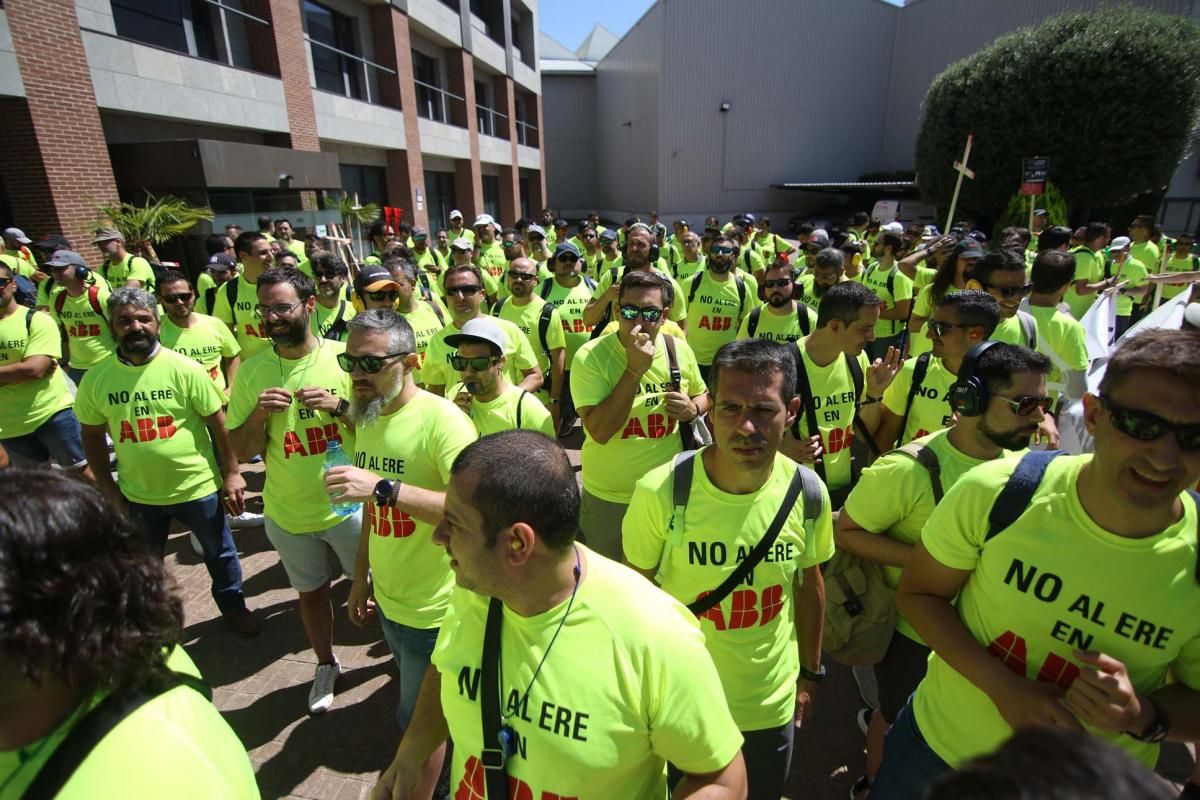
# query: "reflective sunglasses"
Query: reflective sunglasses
379,297
464,291
1012,291
722,251
522,276
649,313
5,282
278,310
777,283
1146,427
508,244
478,363
182,297
938,328
368,364
1025,404
419,238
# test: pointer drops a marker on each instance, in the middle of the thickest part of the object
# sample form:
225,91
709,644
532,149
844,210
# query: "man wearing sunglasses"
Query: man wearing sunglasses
719,299
1002,274
79,308
689,260
918,400
332,311
782,319
629,403
425,314
826,270
590,254
1130,271
287,403
375,287
884,514
464,294
569,292
541,326
462,254
237,298
638,250
204,339
1067,602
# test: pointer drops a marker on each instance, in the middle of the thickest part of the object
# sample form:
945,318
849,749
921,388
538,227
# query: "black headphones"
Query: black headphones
969,395
654,254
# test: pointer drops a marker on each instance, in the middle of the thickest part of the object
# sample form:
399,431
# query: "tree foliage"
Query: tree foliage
1110,97
1016,213
158,221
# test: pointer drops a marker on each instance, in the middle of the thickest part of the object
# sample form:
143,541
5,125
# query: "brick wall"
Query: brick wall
405,169
510,188
291,58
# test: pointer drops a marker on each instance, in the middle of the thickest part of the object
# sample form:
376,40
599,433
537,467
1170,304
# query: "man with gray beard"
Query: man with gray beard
407,440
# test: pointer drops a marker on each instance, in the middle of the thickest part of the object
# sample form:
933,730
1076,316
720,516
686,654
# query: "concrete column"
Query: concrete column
405,171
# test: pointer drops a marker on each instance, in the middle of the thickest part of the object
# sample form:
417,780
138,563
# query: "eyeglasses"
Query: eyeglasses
568,258
1011,291
379,297
5,282
464,291
777,283
649,313
938,328
1025,405
508,244
1146,427
279,310
478,363
182,297
589,236
368,364
522,276
722,251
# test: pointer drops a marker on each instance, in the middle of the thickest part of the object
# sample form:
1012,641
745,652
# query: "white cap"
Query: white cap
483,219
1120,243
892,227
462,243
456,214
483,328
1192,315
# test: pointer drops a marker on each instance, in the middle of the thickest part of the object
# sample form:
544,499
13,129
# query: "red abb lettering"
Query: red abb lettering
391,522
126,433
633,428
839,439
716,323
473,784
292,445
745,609
319,437
1013,653
258,331
772,603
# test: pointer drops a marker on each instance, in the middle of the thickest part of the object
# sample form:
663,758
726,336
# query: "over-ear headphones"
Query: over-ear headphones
654,253
82,272
969,395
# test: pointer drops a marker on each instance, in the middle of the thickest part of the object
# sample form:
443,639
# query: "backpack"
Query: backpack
548,287
93,296
741,290
922,367
598,330
860,608
210,299
694,433
543,324
26,293
801,317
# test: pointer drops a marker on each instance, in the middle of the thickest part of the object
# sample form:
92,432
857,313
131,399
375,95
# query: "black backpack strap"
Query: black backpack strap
804,392
98,723
752,323
856,376
699,276
760,550
1014,498
493,755
802,318
681,489
673,363
544,329
547,287
520,406
741,287
919,370
437,312
928,459
336,328
29,320
210,299
1196,499
499,305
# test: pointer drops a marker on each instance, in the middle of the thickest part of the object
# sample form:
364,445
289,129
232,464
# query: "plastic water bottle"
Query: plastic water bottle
335,456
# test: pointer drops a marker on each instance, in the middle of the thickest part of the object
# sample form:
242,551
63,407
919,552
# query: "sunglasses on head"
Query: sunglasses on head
649,313
1146,427
477,363
368,364
777,283
1012,291
379,297
1025,404
464,291
182,297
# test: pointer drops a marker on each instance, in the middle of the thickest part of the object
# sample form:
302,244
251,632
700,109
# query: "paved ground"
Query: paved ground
261,686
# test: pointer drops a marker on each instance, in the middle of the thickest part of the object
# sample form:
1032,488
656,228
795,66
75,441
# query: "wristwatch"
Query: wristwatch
1158,728
809,675
342,407
385,493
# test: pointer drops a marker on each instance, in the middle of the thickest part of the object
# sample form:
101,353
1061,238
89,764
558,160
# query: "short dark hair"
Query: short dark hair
1095,229
1000,362
246,238
81,598
830,257
471,268
974,308
805,229
1168,351
755,356
292,277
378,228
523,476
328,262
263,222
1054,237
1145,220
215,243
645,279
998,260
890,239
843,301
1052,270
860,218
170,276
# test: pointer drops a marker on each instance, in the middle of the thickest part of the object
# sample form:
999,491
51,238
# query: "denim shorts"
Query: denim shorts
57,440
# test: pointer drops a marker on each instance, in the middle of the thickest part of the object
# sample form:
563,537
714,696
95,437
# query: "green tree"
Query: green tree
1110,97
158,221
1017,211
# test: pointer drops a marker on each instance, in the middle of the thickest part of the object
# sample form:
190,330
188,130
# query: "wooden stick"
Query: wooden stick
958,184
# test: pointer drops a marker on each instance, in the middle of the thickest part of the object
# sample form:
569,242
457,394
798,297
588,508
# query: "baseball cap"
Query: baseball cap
107,235
54,241
483,219
560,223
479,329
818,238
538,229
18,234
970,249
221,262
748,218
462,243
66,258
1120,243
892,227
566,247
682,223
419,231
456,214
608,236
374,278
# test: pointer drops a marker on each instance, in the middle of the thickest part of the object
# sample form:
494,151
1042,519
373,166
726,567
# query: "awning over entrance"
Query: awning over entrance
850,187
210,164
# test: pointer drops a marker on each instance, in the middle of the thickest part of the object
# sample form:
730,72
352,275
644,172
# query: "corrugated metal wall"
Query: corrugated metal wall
569,102
933,34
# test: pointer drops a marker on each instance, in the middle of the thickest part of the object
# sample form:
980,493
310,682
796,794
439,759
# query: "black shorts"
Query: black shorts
902,668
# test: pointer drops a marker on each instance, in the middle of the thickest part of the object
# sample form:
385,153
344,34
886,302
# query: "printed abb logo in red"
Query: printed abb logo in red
147,429
748,608
716,323
317,439
1010,649
82,329
473,786
658,426
259,331
839,439
390,521
575,326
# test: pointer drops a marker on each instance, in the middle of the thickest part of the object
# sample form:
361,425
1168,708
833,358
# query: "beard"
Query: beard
719,267
367,411
138,343
779,300
1010,440
293,334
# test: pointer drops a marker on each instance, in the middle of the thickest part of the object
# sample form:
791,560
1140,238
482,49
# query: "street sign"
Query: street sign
1033,175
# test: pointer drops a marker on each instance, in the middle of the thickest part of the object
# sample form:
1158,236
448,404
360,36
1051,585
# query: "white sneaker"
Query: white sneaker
196,548
247,519
320,696
868,688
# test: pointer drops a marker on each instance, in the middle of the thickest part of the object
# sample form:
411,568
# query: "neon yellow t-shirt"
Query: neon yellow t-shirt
249,330
155,416
425,323
931,404
834,401
1134,272
750,262
206,342
130,268
919,342
177,745
894,497
491,260
323,319
1011,331
778,327
436,368
204,282
89,339
417,444
1148,253
570,303
751,635
1054,581
294,495
1089,266
25,406
627,687
678,307
650,437
684,269
501,414
1189,264
1065,336
527,318
716,311
876,280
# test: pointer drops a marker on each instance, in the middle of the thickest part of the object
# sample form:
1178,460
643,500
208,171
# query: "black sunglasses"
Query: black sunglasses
522,276
5,282
326,276
1012,291
1146,427
569,258
182,297
649,313
368,364
379,297
464,291
938,328
477,363
777,283
1025,404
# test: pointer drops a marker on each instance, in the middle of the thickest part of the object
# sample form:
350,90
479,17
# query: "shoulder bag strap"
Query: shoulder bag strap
681,489
802,318
543,330
856,376
928,459
520,405
437,312
1014,498
494,756
699,276
752,325
804,390
919,370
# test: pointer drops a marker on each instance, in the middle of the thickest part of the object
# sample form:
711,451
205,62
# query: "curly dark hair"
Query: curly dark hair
81,598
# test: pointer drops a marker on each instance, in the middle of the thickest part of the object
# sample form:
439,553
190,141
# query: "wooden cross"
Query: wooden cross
963,171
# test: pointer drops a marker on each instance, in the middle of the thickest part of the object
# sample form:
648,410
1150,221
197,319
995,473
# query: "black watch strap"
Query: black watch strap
1158,728
385,493
342,407
809,675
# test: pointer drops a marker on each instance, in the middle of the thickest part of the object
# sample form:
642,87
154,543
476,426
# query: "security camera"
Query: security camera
283,176
724,107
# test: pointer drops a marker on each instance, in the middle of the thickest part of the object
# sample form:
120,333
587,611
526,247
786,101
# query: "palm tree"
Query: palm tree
159,220
354,216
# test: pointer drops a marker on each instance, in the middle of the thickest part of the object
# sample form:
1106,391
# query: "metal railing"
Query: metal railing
362,64
526,134
433,102
488,124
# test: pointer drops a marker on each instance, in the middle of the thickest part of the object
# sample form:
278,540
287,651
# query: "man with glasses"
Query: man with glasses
817,241
333,311
610,253
542,328
719,299
590,253
375,287
464,293
79,309
406,442
630,403
155,404
885,513
569,292
534,245
1062,591
638,249
237,298
1127,270
287,404
782,318
1002,274
917,402
826,271
463,255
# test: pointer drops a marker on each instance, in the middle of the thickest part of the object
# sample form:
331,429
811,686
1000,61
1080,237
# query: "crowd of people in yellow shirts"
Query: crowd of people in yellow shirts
837,449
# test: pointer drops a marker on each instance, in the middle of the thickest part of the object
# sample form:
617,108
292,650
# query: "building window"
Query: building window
490,121
333,46
527,133
491,14
370,183
439,198
214,31
433,102
523,188
491,195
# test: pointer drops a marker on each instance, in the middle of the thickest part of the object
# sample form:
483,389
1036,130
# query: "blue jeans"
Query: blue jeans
76,375
909,764
411,647
57,439
205,518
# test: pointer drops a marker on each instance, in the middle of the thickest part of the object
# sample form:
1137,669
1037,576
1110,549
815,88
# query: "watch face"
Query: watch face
383,493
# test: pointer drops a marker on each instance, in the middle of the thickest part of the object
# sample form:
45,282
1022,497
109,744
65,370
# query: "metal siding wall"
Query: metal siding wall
570,139
932,34
806,82
627,90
